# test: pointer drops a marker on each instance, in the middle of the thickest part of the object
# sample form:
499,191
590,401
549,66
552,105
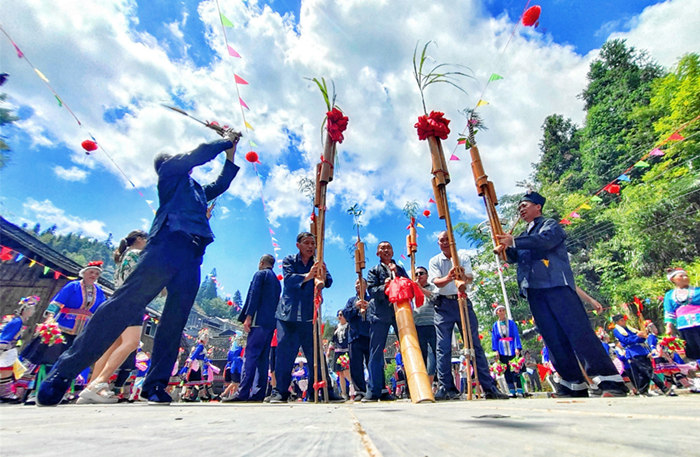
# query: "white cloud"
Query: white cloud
666,30
47,214
70,174
365,47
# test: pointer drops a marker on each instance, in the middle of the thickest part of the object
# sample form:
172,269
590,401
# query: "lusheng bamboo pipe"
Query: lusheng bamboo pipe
487,191
324,174
359,266
460,277
416,374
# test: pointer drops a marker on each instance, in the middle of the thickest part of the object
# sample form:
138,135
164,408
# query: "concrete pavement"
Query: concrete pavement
532,427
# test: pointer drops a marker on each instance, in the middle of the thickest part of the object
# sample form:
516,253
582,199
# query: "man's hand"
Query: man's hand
361,305
248,322
233,137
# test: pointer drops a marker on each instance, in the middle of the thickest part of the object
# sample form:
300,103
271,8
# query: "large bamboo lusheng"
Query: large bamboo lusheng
336,124
400,291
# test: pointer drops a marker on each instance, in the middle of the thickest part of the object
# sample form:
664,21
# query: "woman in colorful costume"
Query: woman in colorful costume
682,311
10,367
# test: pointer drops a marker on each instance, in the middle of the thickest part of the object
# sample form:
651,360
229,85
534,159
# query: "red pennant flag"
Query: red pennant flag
675,136
242,103
431,201
454,157
239,80
612,188
56,275
5,253
565,221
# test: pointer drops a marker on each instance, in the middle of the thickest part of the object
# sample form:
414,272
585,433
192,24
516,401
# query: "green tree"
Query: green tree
619,81
207,290
6,117
560,156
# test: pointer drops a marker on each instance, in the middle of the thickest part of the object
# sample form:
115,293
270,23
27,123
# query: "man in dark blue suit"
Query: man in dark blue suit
381,317
171,259
258,318
295,314
355,313
546,280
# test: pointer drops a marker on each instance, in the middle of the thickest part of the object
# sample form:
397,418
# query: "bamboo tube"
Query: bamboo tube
416,373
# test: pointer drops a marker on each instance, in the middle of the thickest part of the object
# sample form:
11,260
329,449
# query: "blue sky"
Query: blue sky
114,62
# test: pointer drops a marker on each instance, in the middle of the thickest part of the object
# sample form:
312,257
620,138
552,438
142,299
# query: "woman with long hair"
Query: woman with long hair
126,256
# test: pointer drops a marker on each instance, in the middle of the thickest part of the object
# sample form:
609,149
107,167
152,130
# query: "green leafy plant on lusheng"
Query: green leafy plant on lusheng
437,74
410,209
474,123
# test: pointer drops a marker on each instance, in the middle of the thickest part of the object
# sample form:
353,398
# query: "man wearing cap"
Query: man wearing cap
638,356
505,341
295,314
171,259
441,273
546,280
258,318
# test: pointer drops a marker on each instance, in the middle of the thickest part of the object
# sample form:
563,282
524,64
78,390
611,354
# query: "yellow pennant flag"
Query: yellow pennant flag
32,263
41,75
482,103
585,206
418,224
248,126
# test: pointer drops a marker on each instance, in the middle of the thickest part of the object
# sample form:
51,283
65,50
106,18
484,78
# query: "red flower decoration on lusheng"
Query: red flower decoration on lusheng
252,157
426,213
433,124
336,124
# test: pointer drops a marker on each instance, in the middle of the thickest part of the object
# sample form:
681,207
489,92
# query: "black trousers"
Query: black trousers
359,357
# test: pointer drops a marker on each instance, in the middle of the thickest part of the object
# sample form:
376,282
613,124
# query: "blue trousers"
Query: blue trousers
171,260
563,324
446,317
291,335
427,339
378,332
257,359
359,356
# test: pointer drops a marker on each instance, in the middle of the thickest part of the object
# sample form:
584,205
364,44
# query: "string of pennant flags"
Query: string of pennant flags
615,186
8,254
92,144
251,156
88,145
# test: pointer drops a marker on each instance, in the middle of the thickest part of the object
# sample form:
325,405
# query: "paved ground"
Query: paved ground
529,427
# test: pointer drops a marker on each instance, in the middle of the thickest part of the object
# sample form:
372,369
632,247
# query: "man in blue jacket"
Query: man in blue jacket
171,259
295,314
258,318
546,280
355,313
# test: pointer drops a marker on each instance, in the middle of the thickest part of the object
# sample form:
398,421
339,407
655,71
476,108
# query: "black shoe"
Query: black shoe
608,393
441,394
495,395
52,390
369,399
334,398
386,396
275,397
358,396
157,396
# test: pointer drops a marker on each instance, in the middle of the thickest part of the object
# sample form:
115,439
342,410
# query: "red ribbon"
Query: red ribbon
319,385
